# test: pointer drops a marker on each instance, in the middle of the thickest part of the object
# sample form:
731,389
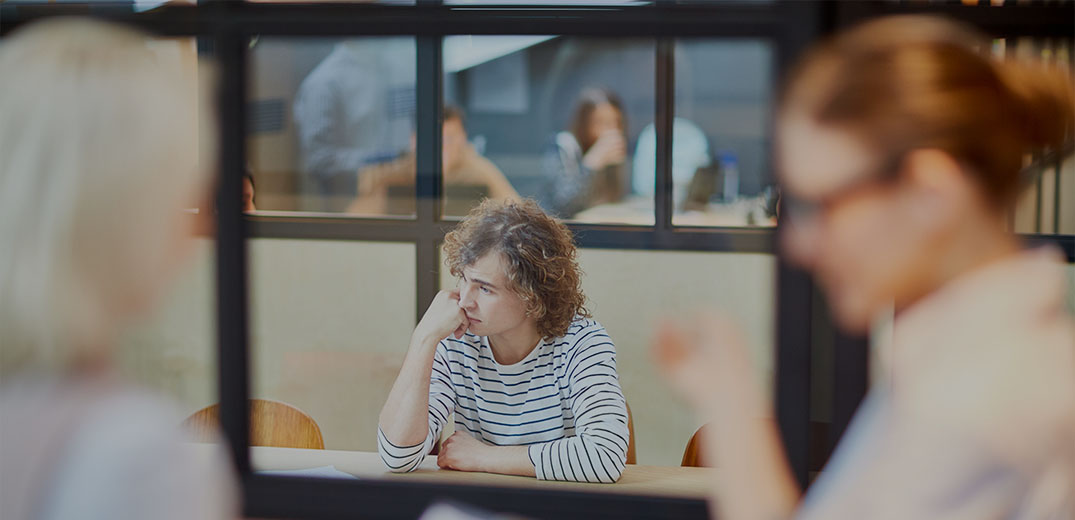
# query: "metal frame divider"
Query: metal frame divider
791,26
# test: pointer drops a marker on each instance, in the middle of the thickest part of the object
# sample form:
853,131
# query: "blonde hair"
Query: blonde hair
912,82
98,156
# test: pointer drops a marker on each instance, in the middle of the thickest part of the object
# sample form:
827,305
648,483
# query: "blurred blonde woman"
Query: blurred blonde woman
98,158
899,146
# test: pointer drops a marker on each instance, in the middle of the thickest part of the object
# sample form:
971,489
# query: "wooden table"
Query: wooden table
671,481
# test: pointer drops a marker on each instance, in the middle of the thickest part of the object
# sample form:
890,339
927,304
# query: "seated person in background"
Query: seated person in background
585,167
531,378
461,165
690,156
248,192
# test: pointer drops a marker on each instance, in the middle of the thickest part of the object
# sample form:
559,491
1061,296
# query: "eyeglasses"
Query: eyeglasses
799,210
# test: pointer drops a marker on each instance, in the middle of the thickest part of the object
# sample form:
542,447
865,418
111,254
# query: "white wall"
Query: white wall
631,290
331,320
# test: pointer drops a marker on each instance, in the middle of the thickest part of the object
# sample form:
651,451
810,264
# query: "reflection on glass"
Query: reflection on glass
720,169
352,107
557,117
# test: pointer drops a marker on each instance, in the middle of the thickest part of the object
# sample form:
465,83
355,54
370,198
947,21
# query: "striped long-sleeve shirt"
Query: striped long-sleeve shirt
563,401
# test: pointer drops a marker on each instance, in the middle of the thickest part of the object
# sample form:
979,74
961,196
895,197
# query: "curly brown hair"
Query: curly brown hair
540,255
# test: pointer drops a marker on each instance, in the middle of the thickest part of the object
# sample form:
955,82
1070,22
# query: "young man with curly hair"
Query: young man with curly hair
514,353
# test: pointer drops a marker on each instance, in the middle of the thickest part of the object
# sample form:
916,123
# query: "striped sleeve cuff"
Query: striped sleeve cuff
400,459
534,452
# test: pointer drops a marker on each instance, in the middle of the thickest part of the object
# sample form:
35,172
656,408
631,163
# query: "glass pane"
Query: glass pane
331,125
551,118
720,137
330,324
619,287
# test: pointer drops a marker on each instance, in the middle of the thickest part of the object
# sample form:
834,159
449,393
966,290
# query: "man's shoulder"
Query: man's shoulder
582,325
583,331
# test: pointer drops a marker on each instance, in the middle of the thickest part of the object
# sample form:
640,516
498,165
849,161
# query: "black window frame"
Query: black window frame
790,26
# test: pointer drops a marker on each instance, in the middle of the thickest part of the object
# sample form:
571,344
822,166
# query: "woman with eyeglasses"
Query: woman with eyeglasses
900,145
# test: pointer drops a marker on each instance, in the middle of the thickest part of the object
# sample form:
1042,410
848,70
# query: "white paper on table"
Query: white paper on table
455,511
318,472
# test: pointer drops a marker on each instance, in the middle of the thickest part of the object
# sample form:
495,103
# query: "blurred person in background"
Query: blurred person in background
461,165
248,192
585,166
98,159
353,111
690,153
899,145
